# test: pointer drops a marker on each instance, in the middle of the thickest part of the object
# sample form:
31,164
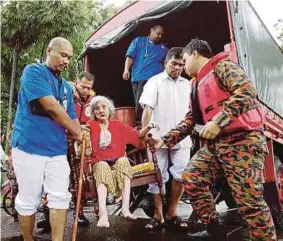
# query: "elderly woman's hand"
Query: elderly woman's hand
152,125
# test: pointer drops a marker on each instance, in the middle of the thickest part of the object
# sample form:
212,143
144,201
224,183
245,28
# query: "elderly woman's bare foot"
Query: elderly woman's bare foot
118,199
128,215
103,221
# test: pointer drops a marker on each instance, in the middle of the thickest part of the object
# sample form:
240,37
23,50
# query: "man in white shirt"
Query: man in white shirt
165,100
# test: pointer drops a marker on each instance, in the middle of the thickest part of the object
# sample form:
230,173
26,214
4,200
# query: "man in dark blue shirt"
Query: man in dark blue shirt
145,56
39,143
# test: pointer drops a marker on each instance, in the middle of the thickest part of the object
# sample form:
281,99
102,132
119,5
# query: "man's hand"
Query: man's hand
158,142
79,137
210,130
126,75
75,92
70,137
154,143
152,125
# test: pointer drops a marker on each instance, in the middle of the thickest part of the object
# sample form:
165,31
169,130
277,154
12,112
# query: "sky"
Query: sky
269,11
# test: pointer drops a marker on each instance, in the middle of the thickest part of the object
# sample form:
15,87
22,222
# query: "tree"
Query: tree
19,33
279,26
28,26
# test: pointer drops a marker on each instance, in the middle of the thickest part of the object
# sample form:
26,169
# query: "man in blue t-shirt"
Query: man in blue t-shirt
39,143
145,56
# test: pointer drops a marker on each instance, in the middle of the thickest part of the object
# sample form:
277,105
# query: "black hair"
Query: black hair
157,26
175,52
87,75
201,46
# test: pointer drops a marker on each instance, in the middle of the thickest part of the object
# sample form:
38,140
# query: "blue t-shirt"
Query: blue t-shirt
148,58
37,134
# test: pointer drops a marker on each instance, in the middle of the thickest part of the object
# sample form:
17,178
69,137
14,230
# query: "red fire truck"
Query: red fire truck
233,26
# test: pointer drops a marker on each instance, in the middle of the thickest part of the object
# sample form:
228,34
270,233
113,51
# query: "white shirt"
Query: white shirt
170,101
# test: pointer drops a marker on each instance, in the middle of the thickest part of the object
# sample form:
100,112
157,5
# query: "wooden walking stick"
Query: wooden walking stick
79,197
151,143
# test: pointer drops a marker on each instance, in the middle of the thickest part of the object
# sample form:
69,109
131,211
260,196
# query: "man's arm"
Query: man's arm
77,121
58,113
145,130
130,56
128,65
183,129
243,93
146,115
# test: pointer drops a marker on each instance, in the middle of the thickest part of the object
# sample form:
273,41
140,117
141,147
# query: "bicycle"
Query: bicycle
10,189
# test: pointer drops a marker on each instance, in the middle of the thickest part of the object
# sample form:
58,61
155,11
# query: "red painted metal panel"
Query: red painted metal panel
269,173
230,22
273,125
231,48
134,10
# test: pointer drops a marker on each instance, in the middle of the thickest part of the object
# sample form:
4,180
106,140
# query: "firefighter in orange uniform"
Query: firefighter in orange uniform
225,101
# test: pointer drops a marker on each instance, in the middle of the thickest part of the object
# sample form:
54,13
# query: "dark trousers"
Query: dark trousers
137,91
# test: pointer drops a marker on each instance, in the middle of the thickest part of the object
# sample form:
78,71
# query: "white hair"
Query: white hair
90,110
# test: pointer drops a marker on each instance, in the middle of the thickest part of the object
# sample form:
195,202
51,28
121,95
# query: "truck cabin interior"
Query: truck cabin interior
204,20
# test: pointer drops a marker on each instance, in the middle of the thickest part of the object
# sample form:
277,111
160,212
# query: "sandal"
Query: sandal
153,224
176,222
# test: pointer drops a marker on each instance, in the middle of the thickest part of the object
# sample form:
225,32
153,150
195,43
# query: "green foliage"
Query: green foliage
30,25
18,29
279,27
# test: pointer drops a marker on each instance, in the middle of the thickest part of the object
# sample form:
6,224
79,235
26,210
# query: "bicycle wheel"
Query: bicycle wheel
8,203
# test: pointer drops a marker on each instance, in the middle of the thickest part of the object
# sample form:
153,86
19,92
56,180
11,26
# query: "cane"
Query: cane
79,197
151,144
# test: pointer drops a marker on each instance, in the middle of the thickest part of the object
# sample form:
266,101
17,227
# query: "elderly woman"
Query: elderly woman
112,170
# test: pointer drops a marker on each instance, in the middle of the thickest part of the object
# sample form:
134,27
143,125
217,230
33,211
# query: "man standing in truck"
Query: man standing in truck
145,56
234,141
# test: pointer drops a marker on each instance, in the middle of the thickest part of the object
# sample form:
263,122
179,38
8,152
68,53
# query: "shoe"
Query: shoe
44,221
82,220
212,231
